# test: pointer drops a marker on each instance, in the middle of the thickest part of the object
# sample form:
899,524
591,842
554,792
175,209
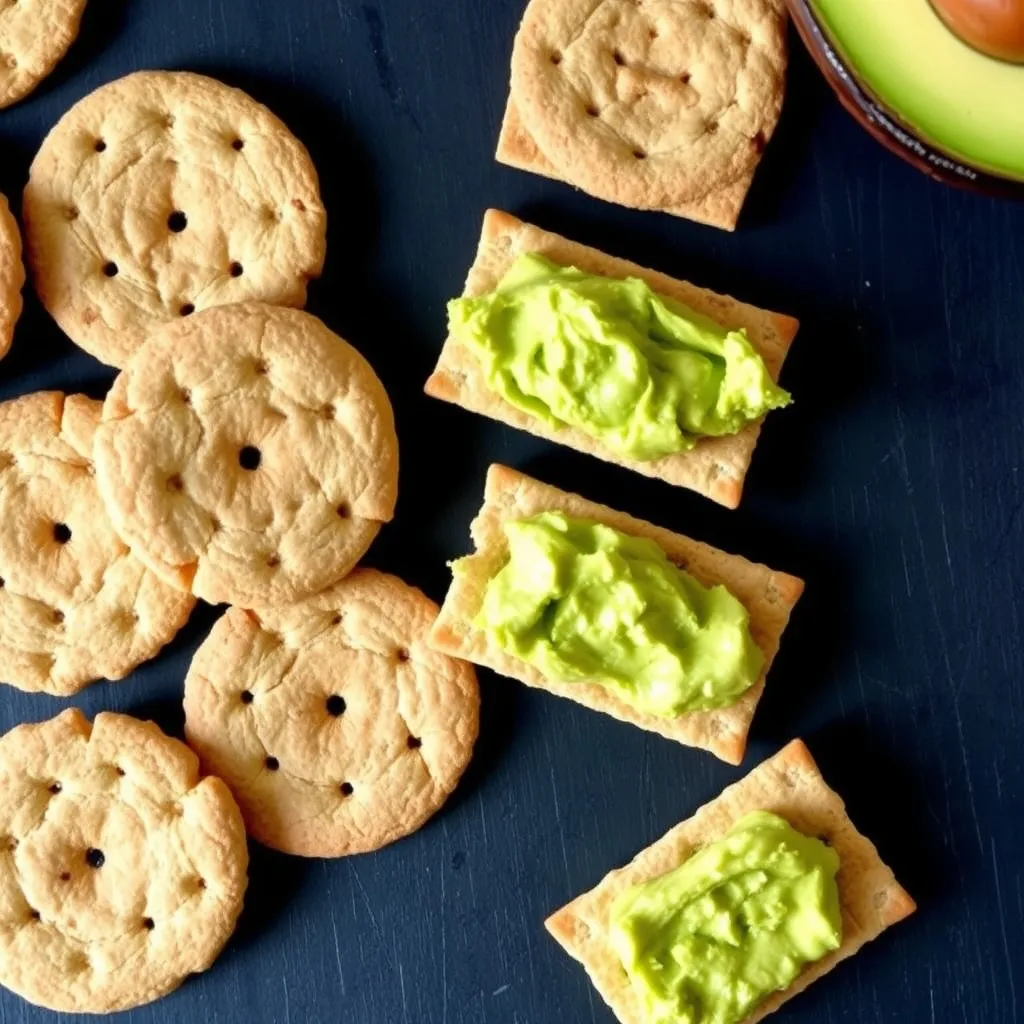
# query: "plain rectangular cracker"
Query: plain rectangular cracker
790,785
717,466
769,597
516,148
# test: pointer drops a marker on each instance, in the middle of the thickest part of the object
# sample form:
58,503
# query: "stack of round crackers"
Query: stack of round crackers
162,214
245,455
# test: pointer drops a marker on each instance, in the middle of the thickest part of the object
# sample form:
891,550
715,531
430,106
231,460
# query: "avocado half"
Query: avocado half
949,109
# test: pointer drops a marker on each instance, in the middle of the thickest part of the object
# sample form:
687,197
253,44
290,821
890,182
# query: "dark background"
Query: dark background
894,486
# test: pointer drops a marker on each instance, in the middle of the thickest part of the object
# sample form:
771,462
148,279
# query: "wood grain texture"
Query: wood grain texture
894,486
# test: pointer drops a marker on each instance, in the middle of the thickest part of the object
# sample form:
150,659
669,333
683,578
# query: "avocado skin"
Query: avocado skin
953,112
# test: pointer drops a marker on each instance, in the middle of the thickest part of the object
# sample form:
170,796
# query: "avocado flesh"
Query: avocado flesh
961,101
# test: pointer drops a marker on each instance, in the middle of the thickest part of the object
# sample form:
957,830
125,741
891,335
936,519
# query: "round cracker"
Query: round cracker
75,603
248,454
12,275
161,194
121,872
34,36
650,103
335,725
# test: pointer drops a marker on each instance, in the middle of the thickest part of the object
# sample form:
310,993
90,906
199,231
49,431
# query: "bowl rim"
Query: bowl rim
884,123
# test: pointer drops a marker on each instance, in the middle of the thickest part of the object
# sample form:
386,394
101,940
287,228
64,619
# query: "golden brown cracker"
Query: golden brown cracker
717,466
12,276
162,194
121,872
34,36
788,784
75,604
768,596
338,729
654,104
248,455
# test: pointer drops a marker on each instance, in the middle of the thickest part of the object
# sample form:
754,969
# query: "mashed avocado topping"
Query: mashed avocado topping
708,942
641,373
582,601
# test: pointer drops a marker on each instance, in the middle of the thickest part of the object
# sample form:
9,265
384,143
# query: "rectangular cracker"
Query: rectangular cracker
769,597
790,785
516,148
716,466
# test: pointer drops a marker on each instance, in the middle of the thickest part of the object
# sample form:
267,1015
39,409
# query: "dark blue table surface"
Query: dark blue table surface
894,486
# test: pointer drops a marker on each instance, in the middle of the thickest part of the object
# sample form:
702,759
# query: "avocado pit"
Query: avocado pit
995,27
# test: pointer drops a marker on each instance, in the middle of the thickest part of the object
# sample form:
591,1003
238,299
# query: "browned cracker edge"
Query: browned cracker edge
517,148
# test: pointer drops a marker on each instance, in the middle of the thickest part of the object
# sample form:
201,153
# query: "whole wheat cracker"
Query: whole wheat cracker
164,193
75,604
248,455
12,276
717,466
121,871
769,597
656,104
338,729
34,36
788,784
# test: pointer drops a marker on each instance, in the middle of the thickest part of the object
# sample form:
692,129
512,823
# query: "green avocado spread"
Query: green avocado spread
581,601
706,943
639,372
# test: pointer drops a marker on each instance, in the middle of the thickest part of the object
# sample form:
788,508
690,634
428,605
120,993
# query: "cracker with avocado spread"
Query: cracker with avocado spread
654,104
717,466
789,785
768,596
